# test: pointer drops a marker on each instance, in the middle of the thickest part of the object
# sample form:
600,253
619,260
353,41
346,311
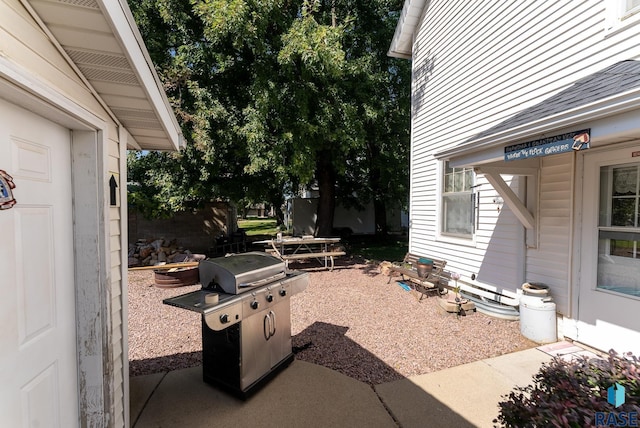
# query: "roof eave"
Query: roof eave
402,42
126,31
618,104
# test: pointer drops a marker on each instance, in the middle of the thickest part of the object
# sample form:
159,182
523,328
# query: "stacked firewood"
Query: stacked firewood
157,252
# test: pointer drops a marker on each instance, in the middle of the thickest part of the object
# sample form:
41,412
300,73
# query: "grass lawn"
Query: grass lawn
391,248
378,249
258,226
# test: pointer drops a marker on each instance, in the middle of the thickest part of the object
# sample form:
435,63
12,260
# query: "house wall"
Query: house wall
28,51
477,64
550,262
494,256
474,66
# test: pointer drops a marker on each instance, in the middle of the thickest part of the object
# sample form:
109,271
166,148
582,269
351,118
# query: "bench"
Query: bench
422,284
303,256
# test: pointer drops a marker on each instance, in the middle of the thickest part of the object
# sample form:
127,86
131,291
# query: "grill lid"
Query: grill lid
241,272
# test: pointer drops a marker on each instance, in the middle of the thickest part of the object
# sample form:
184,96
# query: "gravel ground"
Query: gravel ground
349,320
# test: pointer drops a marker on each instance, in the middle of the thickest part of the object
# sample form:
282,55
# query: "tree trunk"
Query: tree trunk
380,213
375,181
277,201
326,177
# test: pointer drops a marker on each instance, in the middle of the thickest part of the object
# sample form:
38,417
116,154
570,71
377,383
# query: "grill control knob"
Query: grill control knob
269,297
283,292
254,304
224,318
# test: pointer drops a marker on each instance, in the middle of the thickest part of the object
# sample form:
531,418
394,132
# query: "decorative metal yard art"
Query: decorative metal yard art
6,191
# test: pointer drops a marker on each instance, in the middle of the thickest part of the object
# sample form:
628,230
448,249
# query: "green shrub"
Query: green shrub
569,393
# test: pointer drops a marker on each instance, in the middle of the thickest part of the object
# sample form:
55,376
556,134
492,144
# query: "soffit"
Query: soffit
402,42
102,40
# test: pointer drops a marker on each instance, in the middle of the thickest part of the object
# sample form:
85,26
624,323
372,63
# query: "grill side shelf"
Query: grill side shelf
194,301
225,313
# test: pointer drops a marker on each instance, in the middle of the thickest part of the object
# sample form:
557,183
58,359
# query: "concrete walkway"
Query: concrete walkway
307,395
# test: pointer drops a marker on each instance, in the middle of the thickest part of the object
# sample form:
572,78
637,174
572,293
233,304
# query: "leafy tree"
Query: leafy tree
276,93
350,121
313,121
208,67
383,86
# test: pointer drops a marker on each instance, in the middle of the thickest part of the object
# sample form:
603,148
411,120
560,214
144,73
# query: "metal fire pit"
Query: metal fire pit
177,277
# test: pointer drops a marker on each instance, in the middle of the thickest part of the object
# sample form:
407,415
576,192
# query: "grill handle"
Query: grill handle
273,319
263,280
269,325
266,329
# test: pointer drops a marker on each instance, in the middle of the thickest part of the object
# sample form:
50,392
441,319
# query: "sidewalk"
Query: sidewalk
307,395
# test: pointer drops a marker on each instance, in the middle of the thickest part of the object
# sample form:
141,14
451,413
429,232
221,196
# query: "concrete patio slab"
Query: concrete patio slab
463,396
140,389
303,395
308,395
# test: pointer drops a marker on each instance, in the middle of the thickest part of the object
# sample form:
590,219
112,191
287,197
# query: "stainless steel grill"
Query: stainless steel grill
241,272
246,334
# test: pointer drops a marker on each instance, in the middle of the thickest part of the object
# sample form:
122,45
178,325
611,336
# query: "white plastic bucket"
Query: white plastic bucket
538,314
535,289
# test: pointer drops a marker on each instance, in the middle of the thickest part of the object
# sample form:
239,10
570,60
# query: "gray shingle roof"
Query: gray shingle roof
615,79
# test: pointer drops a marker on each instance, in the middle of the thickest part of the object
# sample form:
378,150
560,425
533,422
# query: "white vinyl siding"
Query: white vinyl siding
118,298
550,262
475,78
495,256
117,302
500,238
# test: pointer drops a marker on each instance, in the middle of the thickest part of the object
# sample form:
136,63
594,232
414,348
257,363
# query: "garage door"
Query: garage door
38,371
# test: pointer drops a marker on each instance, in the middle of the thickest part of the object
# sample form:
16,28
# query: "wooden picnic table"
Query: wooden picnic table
303,248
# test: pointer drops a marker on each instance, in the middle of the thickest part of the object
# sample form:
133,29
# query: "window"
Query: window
621,14
458,201
631,4
619,229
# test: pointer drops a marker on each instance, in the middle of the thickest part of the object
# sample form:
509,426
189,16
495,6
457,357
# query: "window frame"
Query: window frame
620,15
629,8
607,233
452,237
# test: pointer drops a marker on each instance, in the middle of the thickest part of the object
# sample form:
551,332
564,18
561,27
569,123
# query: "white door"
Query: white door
609,291
38,369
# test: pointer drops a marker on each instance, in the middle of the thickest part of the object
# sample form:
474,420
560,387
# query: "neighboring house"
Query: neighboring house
525,153
257,210
77,89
